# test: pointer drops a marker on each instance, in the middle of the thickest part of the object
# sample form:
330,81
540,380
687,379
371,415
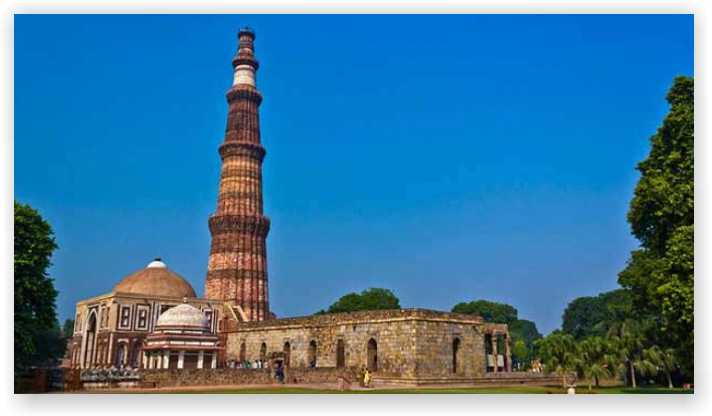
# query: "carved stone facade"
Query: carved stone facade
405,346
110,330
237,267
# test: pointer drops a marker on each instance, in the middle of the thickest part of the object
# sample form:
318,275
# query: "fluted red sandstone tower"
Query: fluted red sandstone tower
237,267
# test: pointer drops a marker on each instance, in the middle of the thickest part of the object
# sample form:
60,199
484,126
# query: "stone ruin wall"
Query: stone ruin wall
411,343
396,344
435,349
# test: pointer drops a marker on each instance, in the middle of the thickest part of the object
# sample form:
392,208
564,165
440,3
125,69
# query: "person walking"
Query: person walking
279,373
367,379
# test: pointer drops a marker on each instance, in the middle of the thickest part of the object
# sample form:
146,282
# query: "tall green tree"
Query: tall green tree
559,354
661,361
525,331
594,359
628,342
68,328
593,315
35,294
660,273
368,300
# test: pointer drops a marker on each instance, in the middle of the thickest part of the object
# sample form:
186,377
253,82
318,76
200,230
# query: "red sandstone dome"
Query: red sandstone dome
156,280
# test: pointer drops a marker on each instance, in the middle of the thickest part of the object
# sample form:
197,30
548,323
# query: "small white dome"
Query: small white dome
182,316
156,264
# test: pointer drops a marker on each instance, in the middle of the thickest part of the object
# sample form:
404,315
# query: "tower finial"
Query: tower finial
244,63
246,30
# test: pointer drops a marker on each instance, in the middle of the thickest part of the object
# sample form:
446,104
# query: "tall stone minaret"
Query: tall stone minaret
237,267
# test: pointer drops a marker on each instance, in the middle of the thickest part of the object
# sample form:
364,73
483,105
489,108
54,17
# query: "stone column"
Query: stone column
200,359
507,355
214,363
166,358
144,359
494,351
181,355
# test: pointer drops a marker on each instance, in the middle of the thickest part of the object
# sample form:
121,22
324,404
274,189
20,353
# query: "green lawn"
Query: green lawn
432,390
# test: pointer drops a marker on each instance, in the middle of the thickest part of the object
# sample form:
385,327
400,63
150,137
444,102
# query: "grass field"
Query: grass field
427,390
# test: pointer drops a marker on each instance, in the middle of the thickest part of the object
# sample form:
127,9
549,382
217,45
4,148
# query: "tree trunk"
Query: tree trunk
669,379
596,379
632,374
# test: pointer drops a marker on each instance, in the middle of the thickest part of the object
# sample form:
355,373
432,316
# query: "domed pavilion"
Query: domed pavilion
181,339
110,329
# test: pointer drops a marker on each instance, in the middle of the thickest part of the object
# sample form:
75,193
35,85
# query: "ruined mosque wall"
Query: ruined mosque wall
411,343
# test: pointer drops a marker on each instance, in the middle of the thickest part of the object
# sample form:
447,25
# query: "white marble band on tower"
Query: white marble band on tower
244,74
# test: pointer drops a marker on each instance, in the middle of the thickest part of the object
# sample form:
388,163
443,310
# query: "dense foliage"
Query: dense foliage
370,299
489,311
647,328
68,328
660,274
35,318
593,315
625,351
522,331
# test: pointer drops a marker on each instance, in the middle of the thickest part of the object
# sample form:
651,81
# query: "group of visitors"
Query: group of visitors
247,364
258,364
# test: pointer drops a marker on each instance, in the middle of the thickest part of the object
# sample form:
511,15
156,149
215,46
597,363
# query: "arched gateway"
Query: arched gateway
372,355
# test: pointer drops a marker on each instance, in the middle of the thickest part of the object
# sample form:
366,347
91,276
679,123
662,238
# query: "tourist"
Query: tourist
367,378
279,373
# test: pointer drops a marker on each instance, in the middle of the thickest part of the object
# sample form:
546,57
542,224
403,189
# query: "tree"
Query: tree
559,354
593,315
68,328
489,311
660,273
581,316
594,360
627,343
526,332
661,360
520,353
34,290
368,300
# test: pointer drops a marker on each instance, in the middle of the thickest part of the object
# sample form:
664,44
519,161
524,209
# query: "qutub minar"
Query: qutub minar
237,269
153,320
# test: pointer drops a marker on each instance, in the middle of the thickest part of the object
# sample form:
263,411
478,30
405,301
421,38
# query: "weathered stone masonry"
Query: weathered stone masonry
237,267
401,345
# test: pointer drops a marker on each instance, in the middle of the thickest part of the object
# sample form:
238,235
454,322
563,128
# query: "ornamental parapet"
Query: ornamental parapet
247,149
244,91
257,225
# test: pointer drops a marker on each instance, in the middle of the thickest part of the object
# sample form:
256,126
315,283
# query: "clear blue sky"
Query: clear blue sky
448,158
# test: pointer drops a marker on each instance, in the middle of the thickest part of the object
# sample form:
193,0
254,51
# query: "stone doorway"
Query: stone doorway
455,354
311,354
287,350
372,355
90,341
263,352
340,354
121,352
